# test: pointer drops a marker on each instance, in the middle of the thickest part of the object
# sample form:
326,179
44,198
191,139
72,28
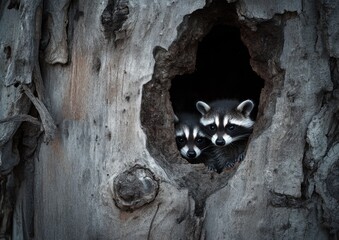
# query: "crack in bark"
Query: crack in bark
283,200
152,221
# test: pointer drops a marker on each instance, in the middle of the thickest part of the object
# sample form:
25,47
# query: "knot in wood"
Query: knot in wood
114,16
134,188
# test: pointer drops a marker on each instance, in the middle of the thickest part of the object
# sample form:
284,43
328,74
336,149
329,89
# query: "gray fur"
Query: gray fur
232,127
202,107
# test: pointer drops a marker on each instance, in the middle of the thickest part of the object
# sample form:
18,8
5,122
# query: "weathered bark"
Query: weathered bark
86,133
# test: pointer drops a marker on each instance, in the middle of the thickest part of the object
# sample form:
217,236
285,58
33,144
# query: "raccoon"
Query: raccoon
227,123
190,138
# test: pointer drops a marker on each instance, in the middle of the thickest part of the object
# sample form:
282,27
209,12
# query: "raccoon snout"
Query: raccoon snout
220,142
191,154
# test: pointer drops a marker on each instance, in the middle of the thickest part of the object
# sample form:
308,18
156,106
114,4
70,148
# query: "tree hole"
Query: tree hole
212,58
222,71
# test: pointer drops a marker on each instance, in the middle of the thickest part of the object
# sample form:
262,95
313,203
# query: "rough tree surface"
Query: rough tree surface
86,131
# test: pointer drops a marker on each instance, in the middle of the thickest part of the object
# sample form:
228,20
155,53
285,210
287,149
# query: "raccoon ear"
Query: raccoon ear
202,107
176,119
245,107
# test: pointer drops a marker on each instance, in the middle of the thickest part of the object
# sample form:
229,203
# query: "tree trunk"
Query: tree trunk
87,147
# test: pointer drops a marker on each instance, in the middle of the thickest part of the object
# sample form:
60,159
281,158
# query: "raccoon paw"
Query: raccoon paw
217,169
212,168
210,164
229,164
240,157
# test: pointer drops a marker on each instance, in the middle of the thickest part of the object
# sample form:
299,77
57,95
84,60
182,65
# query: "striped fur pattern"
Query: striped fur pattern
227,124
190,138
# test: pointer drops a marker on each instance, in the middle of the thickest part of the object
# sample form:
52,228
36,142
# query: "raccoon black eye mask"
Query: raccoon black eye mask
227,124
190,139
226,121
218,136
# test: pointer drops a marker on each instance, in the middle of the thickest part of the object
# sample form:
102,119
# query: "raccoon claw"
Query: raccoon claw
229,165
217,169
240,157
211,168
226,163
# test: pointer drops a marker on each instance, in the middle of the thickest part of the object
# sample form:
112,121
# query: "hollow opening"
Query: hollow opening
222,71
209,60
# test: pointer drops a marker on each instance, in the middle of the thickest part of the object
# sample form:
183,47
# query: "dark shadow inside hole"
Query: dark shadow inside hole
222,71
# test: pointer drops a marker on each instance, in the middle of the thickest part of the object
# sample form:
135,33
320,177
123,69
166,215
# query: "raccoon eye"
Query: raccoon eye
231,127
180,139
212,127
200,141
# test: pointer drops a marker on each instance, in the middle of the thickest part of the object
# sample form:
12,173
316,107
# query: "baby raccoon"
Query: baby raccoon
191,140
227,124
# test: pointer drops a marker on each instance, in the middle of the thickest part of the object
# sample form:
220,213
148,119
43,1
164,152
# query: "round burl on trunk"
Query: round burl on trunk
134,188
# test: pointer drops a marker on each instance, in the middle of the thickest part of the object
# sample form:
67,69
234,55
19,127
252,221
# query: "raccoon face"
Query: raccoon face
226,121
190,140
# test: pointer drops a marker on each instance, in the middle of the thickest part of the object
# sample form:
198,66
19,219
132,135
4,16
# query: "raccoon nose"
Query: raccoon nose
220,142
191,154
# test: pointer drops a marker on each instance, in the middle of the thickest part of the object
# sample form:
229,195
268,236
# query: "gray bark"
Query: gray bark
86,133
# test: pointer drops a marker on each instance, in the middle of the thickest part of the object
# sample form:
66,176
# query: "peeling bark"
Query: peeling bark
20,72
